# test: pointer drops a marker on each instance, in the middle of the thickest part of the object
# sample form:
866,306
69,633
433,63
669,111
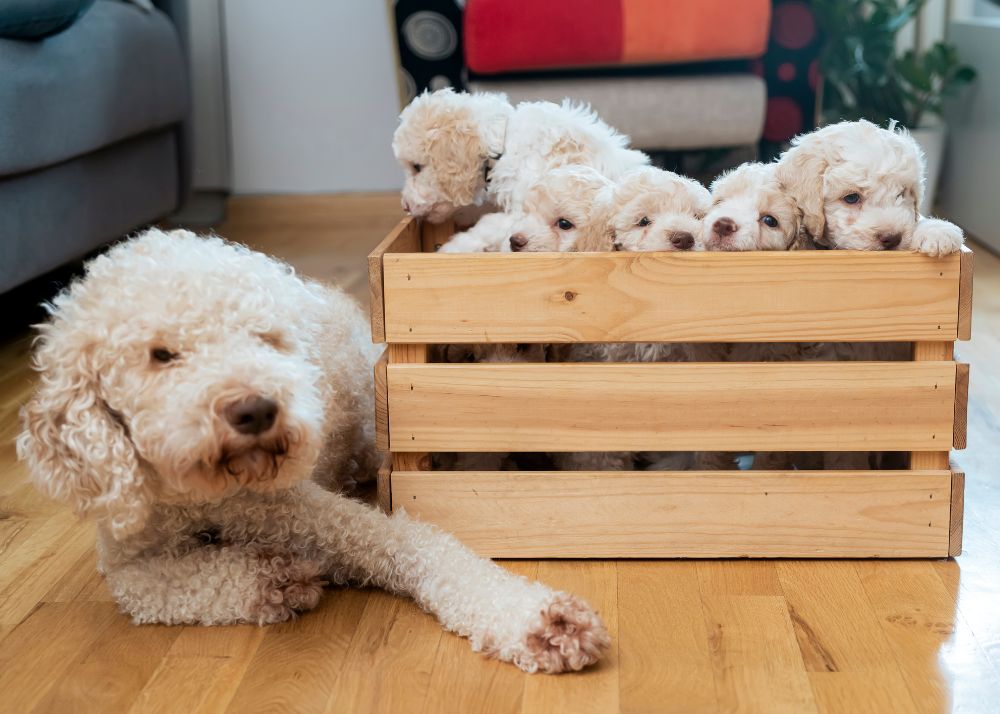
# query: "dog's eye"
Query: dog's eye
769,221
417,168
852,198
564,225
162,355
643,222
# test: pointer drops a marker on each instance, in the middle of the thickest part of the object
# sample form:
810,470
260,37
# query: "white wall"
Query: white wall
313,98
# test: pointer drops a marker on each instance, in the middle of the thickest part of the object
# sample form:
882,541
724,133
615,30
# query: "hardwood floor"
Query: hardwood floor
689,636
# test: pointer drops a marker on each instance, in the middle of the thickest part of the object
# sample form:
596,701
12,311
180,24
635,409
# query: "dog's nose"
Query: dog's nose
681,241
724,227
517,243
890,240
617,245
253,415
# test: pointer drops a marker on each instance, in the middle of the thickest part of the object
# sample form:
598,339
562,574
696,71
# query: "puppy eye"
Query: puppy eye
643,222
417,168
564,225
769,221
852,198
162,355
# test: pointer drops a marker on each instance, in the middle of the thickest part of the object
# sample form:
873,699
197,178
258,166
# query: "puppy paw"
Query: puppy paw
935,237
289,589
568,635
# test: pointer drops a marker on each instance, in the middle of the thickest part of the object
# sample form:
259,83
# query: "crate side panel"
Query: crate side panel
828,406
887,514
690,297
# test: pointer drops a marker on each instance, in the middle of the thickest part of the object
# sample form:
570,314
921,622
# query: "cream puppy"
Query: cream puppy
859,187
460,149
656,210
751,211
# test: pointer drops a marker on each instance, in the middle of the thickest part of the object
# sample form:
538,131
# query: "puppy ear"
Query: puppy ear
459,154
800,173
76,449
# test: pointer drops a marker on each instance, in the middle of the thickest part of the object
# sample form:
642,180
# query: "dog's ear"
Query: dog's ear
800,172
458,154
76,449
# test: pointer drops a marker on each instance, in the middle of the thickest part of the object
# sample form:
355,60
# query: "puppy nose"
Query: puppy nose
517,243
889,240
682,241
406,205
724,227
253,415
616,245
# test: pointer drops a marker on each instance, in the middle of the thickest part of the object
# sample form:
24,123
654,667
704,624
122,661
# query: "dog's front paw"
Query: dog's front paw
935,237
290,588
568,635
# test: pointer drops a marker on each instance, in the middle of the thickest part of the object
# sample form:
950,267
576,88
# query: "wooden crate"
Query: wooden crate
420,299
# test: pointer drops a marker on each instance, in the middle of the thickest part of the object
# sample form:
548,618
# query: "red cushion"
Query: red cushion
512,35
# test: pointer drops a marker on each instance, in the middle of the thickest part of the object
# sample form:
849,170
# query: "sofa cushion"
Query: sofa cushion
116,73
34,19
519,35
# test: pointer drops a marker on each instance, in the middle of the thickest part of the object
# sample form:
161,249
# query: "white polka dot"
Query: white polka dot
439,81
430,35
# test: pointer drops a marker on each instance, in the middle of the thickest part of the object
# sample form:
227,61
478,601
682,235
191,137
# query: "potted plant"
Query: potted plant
865,76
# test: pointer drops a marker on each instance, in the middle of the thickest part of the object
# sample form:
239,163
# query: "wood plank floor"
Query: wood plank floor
689,636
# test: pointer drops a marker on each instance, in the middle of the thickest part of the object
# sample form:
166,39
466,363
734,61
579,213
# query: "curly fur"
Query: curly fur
884,169
198,523
448,142
653,210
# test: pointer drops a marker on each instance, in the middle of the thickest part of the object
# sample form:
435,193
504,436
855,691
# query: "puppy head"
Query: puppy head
750,211
443,142
178,369
858,186
564,211
657,210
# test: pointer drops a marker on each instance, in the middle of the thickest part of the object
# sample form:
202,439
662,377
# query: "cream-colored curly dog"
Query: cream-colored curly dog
859,188
193,396
459,150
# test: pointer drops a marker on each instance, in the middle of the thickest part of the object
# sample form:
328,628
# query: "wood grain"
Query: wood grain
961,406
434,235
690,297
383,485
664,407
934,352
382,403
401,355
967,262
889,514
404,237
957,513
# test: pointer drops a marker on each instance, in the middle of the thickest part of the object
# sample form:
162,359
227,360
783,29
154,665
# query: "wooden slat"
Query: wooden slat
381,403
957,513
384,485
839,406
961,405
934,352
404,355
402,238
560,514
965,294
690,297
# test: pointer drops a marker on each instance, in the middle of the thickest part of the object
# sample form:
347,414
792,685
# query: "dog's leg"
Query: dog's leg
504,615
936,237
217,586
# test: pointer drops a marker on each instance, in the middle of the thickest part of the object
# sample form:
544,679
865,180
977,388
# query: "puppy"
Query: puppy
751,211
460,150
192,396
858,187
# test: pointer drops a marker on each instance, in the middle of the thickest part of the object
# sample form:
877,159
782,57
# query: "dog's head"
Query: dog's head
443,142
657,210
178,369
858,186
564,211
750,211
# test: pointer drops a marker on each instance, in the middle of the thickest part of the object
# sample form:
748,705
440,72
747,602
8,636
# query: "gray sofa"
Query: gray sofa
93,124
